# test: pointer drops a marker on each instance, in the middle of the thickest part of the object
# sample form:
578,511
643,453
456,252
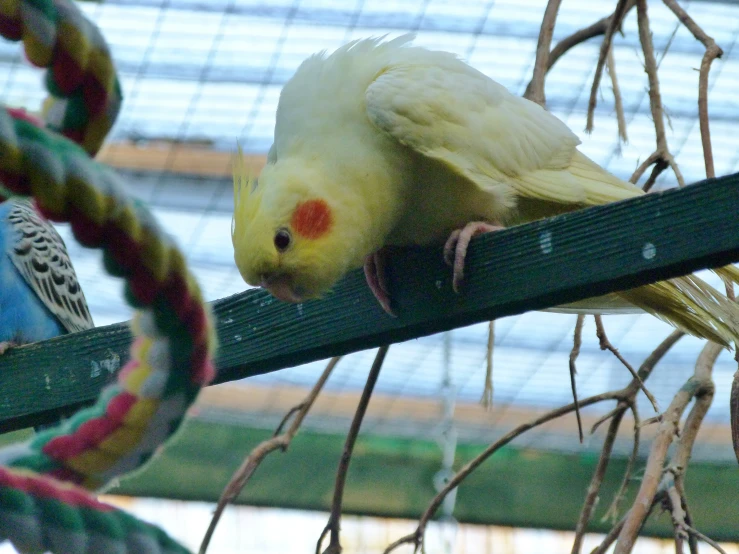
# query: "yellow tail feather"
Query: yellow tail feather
691,305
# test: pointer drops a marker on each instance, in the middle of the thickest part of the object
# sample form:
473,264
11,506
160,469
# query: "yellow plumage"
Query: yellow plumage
405,145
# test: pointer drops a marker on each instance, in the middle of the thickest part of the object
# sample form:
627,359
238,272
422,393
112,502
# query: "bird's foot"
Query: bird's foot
5,345
374,271
455,249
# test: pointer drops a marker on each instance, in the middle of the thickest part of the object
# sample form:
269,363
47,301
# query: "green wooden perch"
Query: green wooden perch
533,266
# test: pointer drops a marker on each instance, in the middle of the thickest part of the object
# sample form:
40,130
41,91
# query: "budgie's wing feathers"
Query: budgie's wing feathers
508,145
41,258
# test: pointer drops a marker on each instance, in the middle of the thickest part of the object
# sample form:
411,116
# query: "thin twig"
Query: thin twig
578,37
487,393
242,475
705,539
655,99
597,480
625,394
609,539
605,344
574,353
291,412
416,537
692,539
632,388
713,51
698,384
675,475
334,519
674,504
612,512
598,28
618,15
643,374
541,65
602,419
659,166
617,101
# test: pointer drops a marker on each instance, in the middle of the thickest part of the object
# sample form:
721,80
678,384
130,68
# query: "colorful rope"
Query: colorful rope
43,505
86,94
41,515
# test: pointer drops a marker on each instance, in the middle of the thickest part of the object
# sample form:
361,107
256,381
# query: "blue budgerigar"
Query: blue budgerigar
40,296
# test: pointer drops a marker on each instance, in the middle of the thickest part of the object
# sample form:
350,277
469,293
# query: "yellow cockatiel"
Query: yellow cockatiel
385,143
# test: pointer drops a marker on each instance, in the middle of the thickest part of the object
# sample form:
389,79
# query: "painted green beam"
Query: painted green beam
393,477
528,267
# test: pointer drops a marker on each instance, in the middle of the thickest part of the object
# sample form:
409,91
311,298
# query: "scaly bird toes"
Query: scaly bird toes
450,246
457,244
374,271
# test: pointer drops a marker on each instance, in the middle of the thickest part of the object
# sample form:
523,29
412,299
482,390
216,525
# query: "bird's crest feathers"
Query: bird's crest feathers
247,193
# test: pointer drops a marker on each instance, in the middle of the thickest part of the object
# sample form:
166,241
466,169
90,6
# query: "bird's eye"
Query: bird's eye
282,239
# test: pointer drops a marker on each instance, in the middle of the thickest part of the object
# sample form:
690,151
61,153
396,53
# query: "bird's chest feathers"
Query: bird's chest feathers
440,202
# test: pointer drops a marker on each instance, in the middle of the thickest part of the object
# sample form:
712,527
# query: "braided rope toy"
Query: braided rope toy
43,502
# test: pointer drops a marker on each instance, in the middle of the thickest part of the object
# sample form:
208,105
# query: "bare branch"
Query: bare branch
659,166
699,383
332,527
416,538
609,539
574,353
536,91
626,394
597,480
487,393
650,67
242,475
674,504
674,477
713,51
605,344
618,15
617,101
612,512
598,28
705,539
655,102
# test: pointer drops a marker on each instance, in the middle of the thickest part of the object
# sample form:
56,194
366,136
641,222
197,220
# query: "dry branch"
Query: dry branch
698,385
574,353
605,344
662,153
623,395
622,8
595,483
713,51
278,442
487,393
332,527
536,91
617,101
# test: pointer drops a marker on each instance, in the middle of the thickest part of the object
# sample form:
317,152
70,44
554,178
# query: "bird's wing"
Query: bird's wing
40,256
457,115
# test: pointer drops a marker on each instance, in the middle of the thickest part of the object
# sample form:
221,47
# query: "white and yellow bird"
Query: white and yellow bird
385,143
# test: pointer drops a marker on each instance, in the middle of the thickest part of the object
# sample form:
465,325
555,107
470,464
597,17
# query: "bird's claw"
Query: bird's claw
374,271
455,249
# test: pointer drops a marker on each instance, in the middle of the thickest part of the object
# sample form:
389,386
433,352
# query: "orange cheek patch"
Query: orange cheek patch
312,219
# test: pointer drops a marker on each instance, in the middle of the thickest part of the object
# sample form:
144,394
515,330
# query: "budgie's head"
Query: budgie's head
287,237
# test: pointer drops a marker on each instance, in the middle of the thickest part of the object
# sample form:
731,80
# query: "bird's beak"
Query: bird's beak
280,287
